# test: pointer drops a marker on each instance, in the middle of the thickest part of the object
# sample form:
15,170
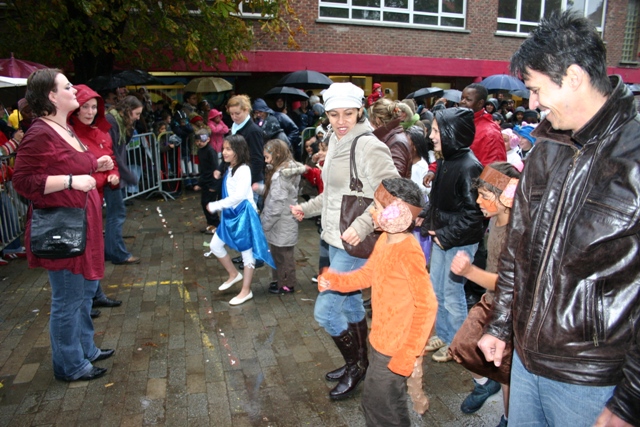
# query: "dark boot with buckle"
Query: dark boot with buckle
358,330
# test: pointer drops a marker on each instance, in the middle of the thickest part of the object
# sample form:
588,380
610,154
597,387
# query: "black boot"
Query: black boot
358,330
354,372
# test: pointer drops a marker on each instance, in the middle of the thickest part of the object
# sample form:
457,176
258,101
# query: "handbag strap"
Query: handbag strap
355,184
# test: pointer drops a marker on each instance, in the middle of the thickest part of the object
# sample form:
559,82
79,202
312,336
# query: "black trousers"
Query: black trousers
207,196
384,398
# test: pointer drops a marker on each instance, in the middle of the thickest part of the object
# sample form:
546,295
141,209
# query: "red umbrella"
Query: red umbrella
11,67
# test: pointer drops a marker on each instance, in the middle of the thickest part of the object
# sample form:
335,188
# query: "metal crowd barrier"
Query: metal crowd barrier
163,167
13,208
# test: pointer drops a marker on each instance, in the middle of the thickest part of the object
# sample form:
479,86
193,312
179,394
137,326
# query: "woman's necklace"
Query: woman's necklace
63,127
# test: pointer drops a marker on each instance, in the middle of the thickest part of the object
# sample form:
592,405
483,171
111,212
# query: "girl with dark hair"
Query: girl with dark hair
240,227
122,119
419,148
280,227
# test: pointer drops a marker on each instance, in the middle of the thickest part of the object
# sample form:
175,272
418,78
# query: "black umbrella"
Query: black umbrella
305,79
452,95
122,79
286,92
426,92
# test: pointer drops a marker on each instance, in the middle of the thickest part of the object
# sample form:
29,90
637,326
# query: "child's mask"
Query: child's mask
397,214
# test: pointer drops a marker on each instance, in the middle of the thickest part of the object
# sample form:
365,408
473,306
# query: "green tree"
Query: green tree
93,35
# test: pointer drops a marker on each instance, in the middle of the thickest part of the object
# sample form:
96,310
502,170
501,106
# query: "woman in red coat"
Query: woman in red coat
92,128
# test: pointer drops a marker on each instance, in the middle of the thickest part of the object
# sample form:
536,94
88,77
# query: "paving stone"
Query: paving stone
26,373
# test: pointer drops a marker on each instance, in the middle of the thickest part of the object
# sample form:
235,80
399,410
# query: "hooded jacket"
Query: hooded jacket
95,136
280,227
452,211
270,125
569,276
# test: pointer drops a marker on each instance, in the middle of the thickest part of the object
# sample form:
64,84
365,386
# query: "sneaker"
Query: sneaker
3,262
442,355
503,422
434,343
314,279
479,395
209,230
286,290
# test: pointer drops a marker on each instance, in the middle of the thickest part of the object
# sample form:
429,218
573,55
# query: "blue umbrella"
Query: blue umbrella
502,82
521,93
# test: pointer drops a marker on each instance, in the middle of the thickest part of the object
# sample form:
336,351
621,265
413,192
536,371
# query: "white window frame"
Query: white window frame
382,9
563,7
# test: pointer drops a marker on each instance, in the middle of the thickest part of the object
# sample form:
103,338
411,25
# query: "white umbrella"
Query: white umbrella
208,85
12,82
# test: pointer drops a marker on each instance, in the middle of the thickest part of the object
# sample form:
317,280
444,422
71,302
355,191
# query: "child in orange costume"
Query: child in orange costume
401,296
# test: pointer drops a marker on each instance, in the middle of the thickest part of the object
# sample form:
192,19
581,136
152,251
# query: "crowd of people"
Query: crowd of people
532,209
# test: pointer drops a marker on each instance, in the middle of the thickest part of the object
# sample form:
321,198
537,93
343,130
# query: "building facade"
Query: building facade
410,44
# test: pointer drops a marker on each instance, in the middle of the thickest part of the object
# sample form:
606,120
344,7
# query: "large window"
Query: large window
448,14
522,16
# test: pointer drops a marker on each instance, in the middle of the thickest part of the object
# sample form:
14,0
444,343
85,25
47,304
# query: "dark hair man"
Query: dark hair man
569,276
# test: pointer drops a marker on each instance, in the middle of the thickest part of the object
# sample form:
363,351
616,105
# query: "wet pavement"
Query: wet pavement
184,357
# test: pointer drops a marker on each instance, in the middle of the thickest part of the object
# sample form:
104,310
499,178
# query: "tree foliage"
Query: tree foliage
94,35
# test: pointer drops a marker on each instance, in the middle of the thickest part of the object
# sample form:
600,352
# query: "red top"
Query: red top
43,153
488,144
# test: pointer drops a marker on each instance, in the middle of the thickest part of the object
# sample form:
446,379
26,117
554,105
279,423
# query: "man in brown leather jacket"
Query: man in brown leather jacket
568,291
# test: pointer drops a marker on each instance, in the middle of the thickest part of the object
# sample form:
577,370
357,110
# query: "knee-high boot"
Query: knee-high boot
349,344
359,331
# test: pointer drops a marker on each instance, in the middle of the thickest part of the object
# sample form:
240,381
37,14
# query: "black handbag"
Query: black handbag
354,205
59,232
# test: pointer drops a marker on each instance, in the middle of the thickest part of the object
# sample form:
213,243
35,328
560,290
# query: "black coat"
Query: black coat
453,212
255,140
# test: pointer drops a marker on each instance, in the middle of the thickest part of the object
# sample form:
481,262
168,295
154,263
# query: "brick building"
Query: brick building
410,44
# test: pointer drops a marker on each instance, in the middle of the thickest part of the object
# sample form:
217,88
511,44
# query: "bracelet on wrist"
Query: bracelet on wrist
70,181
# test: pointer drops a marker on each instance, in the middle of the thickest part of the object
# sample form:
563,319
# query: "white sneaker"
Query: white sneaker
227,285
238,301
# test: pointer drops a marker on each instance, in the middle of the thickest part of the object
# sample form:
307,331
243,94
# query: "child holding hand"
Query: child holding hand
402,298
280,190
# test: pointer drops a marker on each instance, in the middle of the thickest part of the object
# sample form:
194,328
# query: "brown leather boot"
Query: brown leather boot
359,331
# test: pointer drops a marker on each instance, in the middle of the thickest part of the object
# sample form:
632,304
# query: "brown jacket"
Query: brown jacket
393,137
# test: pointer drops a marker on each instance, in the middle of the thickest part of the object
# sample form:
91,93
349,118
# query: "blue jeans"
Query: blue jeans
114,248
449,289
334,310
70,324
539,401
